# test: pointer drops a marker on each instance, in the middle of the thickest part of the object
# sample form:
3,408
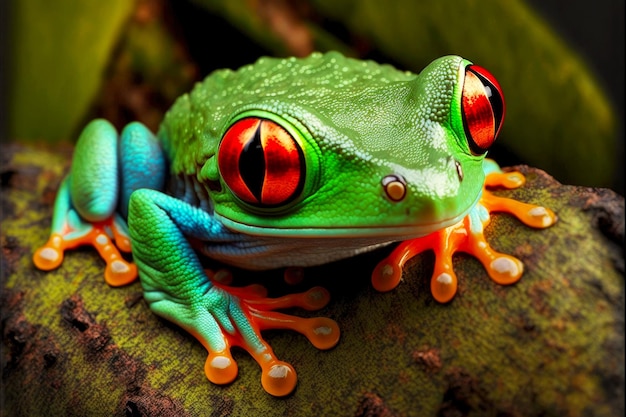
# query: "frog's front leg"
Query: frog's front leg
467,236
91,204
178,289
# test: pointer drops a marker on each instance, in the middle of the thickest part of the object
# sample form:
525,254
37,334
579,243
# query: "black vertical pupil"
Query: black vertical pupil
495,99
252,164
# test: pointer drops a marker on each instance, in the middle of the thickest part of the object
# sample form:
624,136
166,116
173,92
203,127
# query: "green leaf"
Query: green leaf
59,53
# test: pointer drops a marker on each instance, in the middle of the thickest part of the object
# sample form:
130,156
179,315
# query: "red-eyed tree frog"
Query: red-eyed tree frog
290,163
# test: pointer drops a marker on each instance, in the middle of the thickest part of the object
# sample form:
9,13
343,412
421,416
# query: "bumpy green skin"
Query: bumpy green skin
367,122
357,123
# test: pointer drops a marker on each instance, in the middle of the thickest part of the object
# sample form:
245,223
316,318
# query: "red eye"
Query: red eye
482,108
261,162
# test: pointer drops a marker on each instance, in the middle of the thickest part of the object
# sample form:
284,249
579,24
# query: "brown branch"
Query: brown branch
551,344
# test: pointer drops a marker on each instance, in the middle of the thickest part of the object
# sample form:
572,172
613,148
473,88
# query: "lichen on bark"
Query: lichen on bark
552,344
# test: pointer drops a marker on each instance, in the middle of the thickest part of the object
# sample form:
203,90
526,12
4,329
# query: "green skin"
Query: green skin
359,121
347,155
356,122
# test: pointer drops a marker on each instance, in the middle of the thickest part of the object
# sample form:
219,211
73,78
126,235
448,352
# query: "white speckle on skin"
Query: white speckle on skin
119,266
102,239
505,266
49,254
444,278
538,211
542,213
515,179
279,371
323,330
220,362
387,270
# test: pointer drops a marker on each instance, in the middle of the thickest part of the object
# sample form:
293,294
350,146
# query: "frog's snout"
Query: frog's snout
434,195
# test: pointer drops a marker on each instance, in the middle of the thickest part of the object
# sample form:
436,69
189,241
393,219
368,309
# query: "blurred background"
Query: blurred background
560,63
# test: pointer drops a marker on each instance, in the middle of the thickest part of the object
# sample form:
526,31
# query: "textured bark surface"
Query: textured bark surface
550,345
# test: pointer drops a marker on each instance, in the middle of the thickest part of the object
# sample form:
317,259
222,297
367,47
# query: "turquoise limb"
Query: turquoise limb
142,163
110,174
94,178
91,205
65,217
84,210
70,230
490,166
178,289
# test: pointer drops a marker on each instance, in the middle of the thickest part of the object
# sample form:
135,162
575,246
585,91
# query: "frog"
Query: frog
288,163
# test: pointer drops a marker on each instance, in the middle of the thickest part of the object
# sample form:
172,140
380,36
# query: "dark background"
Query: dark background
596,31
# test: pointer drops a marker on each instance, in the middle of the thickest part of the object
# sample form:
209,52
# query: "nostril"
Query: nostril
459,170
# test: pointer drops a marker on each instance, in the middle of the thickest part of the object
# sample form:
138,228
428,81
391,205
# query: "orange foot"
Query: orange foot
106,236
277,377
466,236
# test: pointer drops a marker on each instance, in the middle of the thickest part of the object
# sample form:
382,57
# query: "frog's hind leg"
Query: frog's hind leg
142,163
178,289
90,206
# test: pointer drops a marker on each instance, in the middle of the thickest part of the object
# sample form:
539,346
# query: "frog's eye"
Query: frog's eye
482,108
261,162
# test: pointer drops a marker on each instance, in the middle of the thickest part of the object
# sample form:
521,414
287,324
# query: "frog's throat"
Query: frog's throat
400,232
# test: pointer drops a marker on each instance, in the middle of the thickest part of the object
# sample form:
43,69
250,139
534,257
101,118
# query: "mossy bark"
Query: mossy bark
550,345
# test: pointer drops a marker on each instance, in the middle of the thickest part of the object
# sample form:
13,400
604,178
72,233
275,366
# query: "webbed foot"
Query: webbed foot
109,237
467,236
225,316
92,202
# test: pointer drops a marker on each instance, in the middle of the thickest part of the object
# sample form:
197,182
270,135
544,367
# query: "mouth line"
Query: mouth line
400,231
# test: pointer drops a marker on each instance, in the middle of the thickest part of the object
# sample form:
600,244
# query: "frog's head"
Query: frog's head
358,149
